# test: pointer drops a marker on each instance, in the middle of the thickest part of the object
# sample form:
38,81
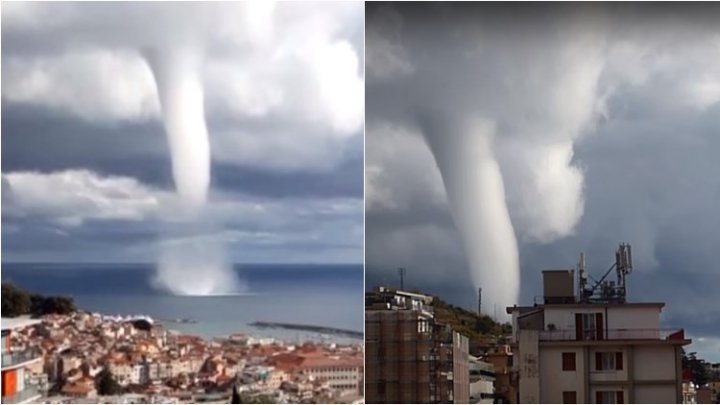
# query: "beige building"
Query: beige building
571,350
505,387
343,374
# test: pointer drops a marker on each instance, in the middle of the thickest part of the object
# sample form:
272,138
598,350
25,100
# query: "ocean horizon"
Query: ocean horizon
329,295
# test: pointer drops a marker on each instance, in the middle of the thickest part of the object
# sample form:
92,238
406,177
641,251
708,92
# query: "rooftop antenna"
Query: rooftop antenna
608,291
582,277
401,272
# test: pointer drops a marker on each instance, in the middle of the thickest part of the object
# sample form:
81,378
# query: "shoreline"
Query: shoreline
323,334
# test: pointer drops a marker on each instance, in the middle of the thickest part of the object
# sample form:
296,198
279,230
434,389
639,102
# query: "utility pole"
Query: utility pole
479,301
401,272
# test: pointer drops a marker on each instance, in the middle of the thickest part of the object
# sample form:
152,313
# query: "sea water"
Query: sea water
322,295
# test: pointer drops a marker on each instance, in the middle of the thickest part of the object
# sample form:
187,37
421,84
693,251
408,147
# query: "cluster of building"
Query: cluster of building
708,393
586,347
60,358
413,358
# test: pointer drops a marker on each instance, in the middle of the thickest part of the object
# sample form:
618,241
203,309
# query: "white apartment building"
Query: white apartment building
482,381
140,373
571,350
122,371
342,373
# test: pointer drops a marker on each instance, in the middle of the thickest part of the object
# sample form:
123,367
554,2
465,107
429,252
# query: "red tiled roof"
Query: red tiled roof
331,362
76,389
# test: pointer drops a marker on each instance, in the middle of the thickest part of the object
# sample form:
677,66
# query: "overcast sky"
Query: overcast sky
628,94
86,171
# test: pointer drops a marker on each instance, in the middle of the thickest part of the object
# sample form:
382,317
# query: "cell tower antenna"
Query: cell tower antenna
582,277
605,290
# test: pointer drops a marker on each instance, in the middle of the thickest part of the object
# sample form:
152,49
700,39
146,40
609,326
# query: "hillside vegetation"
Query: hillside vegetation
16,302
482,331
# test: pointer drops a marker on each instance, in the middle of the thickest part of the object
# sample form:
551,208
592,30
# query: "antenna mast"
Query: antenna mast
604,290
401,272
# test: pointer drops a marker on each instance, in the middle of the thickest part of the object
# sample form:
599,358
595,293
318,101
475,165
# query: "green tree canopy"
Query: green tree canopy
16,302
106,384
700,375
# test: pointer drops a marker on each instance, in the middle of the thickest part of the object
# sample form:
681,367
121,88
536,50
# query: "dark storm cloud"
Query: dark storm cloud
35,139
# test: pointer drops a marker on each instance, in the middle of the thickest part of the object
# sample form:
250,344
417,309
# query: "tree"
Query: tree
700,375
52,305
236,398
15,302
106,384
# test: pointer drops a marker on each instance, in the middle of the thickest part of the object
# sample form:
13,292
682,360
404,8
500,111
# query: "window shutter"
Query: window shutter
618,361
620,397
598,361
569,397
568,362
578,327
598,397
599,325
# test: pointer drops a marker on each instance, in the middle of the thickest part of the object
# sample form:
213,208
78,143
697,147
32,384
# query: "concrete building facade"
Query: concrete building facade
596,352
17,386
501,357
482,382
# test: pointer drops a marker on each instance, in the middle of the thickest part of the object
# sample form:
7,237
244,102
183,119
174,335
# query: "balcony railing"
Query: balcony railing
615,334
16,357
28,393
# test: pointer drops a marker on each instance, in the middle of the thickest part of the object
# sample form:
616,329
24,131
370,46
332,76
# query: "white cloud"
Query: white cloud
342,90
101,85
71,197
707,347
285,74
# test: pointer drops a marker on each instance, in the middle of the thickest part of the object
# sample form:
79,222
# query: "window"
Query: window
610,397
569,397
608,361
589,326
568,361
605,397
588,321
605,361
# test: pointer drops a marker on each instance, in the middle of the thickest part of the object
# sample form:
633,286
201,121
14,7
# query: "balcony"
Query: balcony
29,393
617,334
17,357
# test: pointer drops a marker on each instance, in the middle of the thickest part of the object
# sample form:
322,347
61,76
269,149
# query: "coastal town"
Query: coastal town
90,358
